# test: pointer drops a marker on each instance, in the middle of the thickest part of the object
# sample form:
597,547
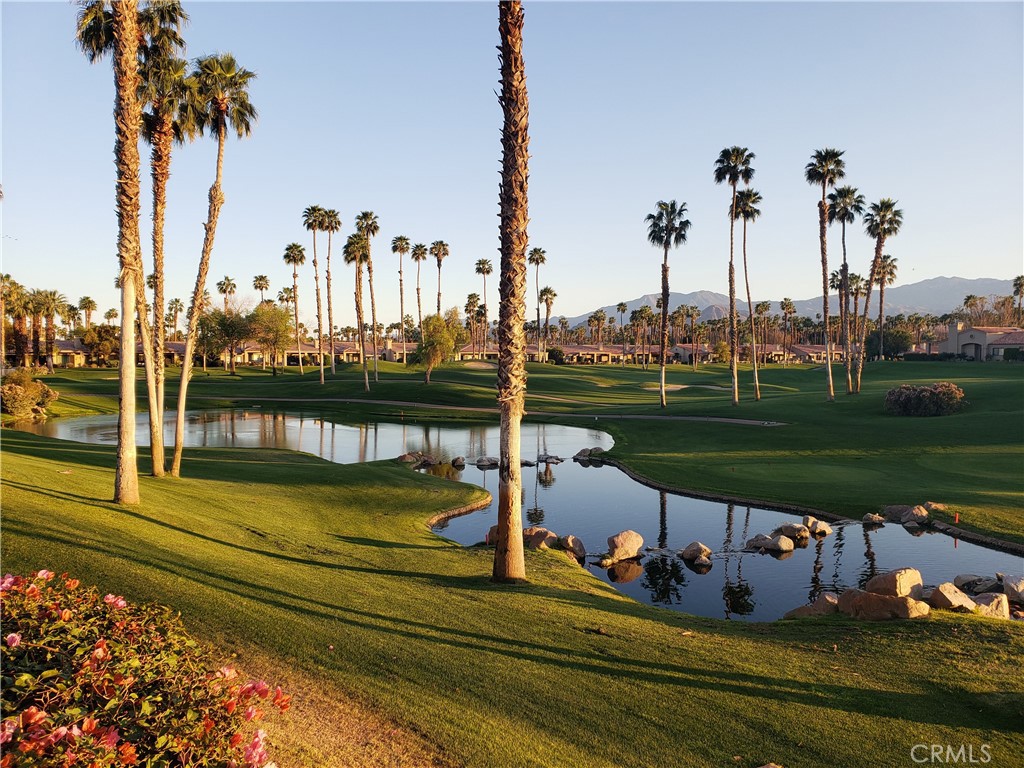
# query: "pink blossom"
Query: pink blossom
227,673
111,738
7,729
256,753
250,713
9,580
261,688
115,600
13,640
45,574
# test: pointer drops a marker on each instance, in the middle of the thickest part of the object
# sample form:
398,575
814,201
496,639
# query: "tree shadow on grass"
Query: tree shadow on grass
971,710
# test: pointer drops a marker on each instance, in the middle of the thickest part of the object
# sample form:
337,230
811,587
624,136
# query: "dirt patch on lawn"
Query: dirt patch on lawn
479,365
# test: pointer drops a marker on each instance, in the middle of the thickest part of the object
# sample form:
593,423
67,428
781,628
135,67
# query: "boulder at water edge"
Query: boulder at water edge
934,506
976,585
894,512
873,519
487,462
546,458
949,598
826,604
780,544
459,462
760,541
492,536
809,521
539,538
624,545
917,515
793,531
902,582
1013,588
693,550
993,604
869,606
820,528
574,546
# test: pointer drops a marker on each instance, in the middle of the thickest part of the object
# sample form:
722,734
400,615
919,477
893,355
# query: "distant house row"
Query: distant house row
976,343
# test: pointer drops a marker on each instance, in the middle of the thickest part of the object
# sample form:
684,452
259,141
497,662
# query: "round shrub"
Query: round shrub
939,399
22,397
94,681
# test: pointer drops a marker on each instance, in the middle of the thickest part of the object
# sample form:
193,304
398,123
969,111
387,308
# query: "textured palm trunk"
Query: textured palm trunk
844,306
830,393
693,345
160,171
664,324
295,307
876,263
509,562
51,342
536,285
401,307
37,339
319,312
360,329
127,115
734,352
156,432
216,201
856,324
439,288
330,308
750,316
419,303
881,317
373,309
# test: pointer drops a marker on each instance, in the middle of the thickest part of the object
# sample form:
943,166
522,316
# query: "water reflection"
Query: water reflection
664,578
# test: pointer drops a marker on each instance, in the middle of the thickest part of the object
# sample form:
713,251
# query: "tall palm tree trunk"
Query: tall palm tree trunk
360,327
862,340
664,324
750,311
295,306
734,352
127,115
216,201
330,307
373,310
319,313
536,285
156,431
160,165
439,288
881,317
830,393
419,303
844,298
401,306
509,563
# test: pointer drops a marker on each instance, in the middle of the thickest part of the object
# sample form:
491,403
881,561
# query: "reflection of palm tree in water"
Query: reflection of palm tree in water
663,520
871,566
362,443
737,595
547,476
535,515
837,547
816,585
663,576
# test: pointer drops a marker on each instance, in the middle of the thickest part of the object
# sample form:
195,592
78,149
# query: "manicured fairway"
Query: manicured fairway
289,555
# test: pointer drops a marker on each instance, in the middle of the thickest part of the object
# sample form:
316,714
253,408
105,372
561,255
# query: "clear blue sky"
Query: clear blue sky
391,107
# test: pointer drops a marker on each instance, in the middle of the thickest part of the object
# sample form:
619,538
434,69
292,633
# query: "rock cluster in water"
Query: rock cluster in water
536,537
900,594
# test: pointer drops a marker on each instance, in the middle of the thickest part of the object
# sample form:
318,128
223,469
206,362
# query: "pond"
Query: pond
595,502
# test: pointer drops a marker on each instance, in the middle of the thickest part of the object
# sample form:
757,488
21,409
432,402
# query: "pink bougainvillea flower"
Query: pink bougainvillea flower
227,673
251,713
9,580
230,707
13,640
32,716
100,653
261,688
45,574
32,591
236,739
7,729
115,600
256,753
110,738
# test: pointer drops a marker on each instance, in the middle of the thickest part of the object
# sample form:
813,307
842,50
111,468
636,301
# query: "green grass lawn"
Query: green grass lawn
294,554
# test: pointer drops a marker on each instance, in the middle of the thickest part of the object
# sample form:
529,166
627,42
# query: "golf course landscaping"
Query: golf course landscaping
399,650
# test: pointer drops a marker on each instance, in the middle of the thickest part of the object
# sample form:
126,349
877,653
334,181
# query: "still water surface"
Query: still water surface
596,502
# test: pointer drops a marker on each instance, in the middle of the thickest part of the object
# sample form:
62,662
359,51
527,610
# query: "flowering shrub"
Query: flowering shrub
21,396
939,399
94,681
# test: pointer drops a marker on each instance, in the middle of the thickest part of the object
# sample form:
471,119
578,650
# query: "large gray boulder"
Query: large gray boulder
820,528
903,582
826,604
539,538
809,520
948,598
574,546
780,544
793,530
695,549
873,519
487,462
1013,588
917,515
869,606
759,541
977,585
894,512
624,545
993,604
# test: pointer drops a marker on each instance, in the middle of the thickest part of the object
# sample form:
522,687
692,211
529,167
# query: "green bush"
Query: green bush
22,397
556,355
939,399
90,680
1011,353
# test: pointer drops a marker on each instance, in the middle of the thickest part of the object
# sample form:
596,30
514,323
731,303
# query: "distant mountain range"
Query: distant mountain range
935,296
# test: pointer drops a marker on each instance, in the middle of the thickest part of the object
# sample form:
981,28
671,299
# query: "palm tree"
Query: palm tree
597,321
110,315
845,205
175,308
484,268
366,224
226,288
400,245
17,305
355,253
746,208
788,309
261,283
295,255
49,304
331,224
509,564
286,295
536,257
882,221
886,276
732,167
221,102
1018,292
419,255
693,312
439,250
855,285
313,221
88,306
548,296
621,309
826,168
666,227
